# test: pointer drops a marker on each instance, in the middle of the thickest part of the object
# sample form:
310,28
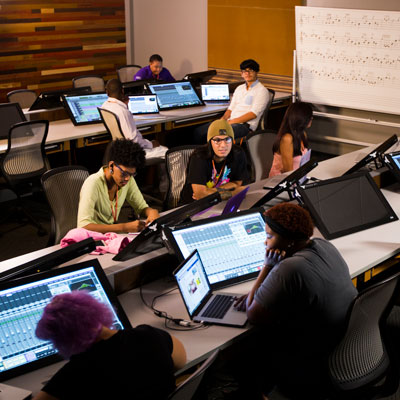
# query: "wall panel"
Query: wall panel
43,45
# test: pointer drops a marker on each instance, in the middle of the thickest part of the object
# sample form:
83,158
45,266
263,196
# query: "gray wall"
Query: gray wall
175,29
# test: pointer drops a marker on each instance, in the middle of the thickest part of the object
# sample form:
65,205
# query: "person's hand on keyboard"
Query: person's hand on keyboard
240,303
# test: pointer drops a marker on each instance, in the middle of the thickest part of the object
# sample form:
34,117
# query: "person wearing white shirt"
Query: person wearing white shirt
247,106
117,103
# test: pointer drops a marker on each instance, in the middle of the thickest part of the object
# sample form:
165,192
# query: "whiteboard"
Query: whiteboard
349,58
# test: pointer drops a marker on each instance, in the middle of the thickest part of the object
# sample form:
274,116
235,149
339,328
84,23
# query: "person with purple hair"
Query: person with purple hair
105,363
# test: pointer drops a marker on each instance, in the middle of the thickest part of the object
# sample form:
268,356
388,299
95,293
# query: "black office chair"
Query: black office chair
25,161
177,161
262,124
62,187
127,72
187,389
362,366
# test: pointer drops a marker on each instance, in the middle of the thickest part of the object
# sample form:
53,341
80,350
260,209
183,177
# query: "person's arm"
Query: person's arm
200,191
128,127
178,353
44,396
286,151
232,185
243,118
227,114
132,226
151,214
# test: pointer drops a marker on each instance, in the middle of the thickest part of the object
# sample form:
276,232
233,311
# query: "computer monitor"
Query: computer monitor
215,92
51,260
10,114
345,205
143,104
392,160
137,87
286,183
149,239
373,155
53,98
175,95
21,306
231,246
82,109
200,77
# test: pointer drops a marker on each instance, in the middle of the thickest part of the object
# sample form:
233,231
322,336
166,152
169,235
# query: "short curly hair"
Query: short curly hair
292,217
72,321
126,153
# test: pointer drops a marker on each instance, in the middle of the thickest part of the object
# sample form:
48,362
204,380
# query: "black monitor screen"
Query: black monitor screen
10,114
82,109
175,95
393,162
21,306
345,205
200,77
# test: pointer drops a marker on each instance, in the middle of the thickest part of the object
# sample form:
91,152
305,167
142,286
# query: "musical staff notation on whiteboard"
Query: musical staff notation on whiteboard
349,58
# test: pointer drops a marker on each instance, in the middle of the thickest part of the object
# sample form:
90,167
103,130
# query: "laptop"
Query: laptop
142,104
201,303
175,95
304,160
215,93
232,205
231,246
21,305
82,108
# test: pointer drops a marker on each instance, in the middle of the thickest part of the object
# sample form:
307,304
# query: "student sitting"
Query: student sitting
219,166
291,142
104,363
104,193
300,302
154,71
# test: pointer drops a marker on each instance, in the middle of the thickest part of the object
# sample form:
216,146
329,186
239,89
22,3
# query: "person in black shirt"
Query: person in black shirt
217,166
105,363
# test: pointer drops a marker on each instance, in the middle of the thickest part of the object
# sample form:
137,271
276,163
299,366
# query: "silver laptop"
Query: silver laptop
201,303
143,104
215,93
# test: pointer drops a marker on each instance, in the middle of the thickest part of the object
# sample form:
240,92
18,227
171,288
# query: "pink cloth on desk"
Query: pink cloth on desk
113,243
277,165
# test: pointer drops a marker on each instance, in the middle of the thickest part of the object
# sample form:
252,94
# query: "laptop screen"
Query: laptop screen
143,104
21,305
345,205
175,95
215,92
231,246
82,109
192,282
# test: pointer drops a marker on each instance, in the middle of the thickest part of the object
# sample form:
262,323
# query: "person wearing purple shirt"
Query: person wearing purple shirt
154,71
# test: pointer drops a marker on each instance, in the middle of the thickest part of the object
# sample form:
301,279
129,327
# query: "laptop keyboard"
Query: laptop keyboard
218,307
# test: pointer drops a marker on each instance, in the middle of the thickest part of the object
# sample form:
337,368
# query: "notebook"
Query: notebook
215,92
143,104
201,303
231,246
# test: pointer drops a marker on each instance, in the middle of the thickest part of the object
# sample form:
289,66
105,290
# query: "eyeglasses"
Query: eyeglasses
218,141
247,71
125,174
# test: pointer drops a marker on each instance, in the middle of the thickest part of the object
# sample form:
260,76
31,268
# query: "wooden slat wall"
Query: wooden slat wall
43,45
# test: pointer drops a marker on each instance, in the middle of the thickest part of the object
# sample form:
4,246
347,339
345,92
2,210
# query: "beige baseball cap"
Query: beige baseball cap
220,127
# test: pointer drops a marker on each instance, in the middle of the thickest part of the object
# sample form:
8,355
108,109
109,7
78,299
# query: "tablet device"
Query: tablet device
143,104
82,109
21,306
175,95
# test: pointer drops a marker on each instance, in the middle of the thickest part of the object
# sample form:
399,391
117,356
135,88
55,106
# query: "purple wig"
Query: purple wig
73,321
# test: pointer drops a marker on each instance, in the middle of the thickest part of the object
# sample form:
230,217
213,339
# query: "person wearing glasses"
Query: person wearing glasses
219,166
104,193
247,105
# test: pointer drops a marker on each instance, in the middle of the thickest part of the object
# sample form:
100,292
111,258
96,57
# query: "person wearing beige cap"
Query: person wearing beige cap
219,165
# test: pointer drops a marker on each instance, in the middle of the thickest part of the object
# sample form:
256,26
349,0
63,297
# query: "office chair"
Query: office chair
25,161
127,72
363,359
62,187
187,389
96,83
262,124
259,150
177,162
111,123
23,97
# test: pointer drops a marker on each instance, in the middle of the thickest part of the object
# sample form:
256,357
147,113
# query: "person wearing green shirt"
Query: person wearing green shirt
104,193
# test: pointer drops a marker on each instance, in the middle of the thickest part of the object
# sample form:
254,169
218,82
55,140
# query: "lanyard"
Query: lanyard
114,210
217,177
